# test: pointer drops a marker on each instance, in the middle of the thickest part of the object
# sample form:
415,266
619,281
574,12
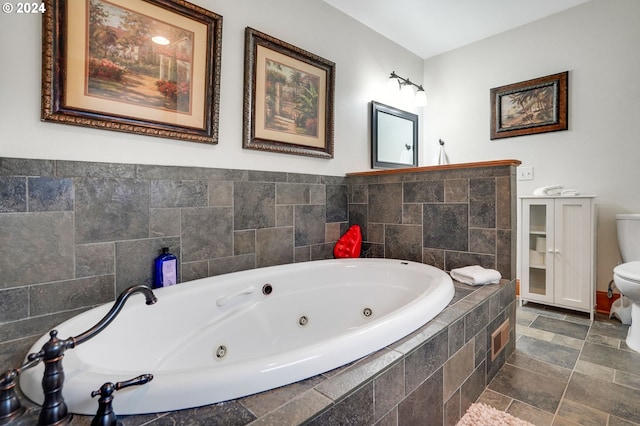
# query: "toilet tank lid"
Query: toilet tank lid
629,270
628,216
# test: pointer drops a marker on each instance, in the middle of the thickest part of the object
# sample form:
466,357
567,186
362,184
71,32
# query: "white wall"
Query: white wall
597,42
363,60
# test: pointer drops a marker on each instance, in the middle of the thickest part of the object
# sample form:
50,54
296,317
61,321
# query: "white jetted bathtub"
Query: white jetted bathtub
233,335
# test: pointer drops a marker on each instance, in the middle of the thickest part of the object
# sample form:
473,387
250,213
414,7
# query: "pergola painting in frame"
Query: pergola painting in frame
288,98
147,67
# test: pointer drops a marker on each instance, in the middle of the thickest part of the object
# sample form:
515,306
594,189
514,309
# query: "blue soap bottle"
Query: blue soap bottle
165,269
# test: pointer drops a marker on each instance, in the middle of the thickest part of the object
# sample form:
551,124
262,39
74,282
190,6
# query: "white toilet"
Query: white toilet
626,276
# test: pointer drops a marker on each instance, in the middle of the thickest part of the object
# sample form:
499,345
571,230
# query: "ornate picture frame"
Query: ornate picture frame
288,98
146,67
530,107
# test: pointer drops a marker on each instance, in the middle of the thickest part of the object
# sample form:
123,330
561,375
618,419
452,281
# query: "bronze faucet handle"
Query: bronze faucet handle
109,388
53,349
8,377
36,356
140,380
105,415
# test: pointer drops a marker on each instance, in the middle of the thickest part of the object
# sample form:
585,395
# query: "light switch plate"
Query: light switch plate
525,173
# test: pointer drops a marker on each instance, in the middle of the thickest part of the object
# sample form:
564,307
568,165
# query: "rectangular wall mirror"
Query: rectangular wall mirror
394,137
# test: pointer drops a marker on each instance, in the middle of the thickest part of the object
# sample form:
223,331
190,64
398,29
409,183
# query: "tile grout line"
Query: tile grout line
555,415
573,369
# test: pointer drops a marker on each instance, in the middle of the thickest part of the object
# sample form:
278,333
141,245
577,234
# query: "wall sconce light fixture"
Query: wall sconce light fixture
406,89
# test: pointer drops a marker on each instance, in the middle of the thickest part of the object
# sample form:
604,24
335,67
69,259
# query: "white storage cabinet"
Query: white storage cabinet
558,252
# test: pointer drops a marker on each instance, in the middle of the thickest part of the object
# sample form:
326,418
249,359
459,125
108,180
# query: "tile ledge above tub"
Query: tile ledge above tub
493,163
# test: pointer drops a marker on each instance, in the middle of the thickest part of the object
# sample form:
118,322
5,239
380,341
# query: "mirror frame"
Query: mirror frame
376,109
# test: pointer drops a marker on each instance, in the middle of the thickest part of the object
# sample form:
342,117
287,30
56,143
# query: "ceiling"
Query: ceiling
430,27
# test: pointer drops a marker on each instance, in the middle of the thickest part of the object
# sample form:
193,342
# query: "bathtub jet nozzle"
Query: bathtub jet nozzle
54,410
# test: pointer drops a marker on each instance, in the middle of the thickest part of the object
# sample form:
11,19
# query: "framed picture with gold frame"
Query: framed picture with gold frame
529,107
288,98
148,67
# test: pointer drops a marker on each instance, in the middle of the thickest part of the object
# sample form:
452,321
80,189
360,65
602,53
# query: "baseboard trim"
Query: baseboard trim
603,303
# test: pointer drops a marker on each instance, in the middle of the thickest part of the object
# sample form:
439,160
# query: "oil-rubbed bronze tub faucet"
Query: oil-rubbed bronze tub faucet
54,410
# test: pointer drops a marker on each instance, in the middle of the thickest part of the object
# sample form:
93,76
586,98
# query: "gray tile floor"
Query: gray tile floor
568,371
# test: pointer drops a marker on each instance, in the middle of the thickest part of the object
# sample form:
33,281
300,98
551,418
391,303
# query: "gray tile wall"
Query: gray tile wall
75,234
445,218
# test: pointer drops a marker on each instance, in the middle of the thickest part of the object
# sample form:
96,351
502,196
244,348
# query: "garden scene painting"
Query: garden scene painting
291,100
528,107
138,60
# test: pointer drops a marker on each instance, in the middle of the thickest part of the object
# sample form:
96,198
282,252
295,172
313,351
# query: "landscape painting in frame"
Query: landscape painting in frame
288,102
148,67
529,107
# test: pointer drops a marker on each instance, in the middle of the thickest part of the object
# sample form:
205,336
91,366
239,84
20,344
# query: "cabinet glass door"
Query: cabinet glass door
538,264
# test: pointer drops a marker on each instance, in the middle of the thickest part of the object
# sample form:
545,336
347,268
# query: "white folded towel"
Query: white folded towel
570,192
548,190
476,275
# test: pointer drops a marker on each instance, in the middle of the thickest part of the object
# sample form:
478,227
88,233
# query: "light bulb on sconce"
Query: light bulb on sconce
393,84
406,92
406,88
421,97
